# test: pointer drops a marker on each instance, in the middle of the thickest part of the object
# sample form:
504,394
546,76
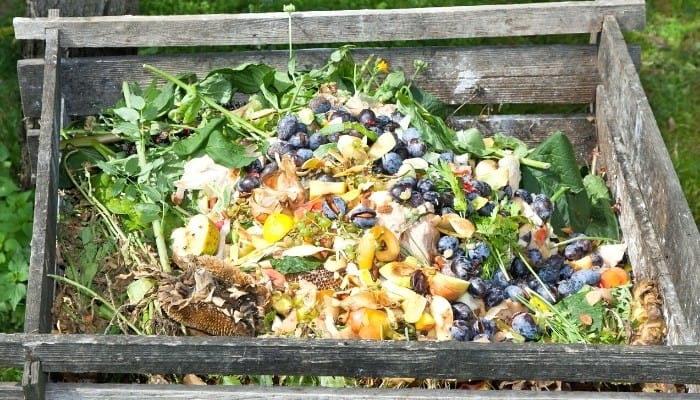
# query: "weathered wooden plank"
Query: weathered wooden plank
62,391
34,381
476,75
323,26
287,356
660,189
642,242
43,245
33,151
11,391
533,129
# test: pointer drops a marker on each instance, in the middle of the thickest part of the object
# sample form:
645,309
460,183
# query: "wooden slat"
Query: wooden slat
287,356
643,246
11,391
354,26
504,74
33,151
533,129
660,189
43,246
62,391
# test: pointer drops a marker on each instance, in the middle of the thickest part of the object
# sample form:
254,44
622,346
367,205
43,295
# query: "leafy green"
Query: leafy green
294,265
191,144
433,129
471,141
448,181
577,307
573,208
603,221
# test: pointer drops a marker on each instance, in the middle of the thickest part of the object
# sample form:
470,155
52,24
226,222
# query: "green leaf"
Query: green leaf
127,114
146,213
189,109
131,166
7,186
332,381
293,265
471,141
603,222
194,142
433,129
226,152
248,77
137,102
431,103
231,380
217,87
157,101
506,142
129,129
138,289
392,83
576,306
573,208
17,293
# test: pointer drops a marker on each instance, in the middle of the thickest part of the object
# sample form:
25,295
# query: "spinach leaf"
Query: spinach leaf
293,265
573,208
196,141
603,222
433,129
217,87
471,141
226,152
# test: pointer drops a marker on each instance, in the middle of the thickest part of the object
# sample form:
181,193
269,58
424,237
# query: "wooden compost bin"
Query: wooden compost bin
663,241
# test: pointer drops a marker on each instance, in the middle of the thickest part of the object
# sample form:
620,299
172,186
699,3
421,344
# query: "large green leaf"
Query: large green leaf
573,208
226,152
603,222
196,141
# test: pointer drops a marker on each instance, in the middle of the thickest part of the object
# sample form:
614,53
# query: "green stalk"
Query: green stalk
235,120
161,246
560,192
99,298
568,241
524,160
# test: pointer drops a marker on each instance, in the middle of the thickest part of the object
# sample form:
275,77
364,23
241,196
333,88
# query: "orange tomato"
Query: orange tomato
614,276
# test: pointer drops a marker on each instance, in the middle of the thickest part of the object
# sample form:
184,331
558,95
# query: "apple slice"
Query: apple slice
203,236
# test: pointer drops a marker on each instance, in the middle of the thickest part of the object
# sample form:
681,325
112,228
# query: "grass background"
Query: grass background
670,73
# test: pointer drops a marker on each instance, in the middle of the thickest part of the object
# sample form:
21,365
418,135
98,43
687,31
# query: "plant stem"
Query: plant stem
560,192
99,298
161,246
525,161
235,120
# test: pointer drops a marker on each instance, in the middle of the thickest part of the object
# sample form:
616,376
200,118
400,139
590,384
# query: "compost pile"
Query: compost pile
334,203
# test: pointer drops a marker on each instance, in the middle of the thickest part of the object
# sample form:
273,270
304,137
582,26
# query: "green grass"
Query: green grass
670,74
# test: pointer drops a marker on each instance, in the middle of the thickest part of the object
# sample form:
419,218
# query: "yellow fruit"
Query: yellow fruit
425,323
276,226
203,236
449,287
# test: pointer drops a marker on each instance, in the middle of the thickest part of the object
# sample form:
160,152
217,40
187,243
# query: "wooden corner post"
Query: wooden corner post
40,288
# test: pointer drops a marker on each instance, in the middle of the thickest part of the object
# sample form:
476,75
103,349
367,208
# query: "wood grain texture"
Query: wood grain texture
59,391
456,75
286,356
11,391
660,189
323,26
534,129
43,246
643,246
